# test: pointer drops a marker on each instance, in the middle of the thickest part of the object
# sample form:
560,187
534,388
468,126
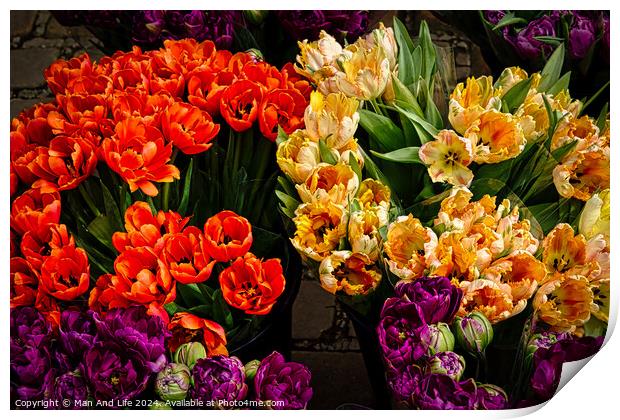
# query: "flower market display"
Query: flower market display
165,205
142,220
475,242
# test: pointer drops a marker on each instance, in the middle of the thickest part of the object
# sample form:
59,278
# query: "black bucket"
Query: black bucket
373,359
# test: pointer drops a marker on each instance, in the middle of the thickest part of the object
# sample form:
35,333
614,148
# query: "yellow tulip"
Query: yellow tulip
594,219
317,60
497,137
363,233
408,247
319,227
298,156
334,183
365,73
332,118
492,299
350,272
583,172
565,303
448,158
468,101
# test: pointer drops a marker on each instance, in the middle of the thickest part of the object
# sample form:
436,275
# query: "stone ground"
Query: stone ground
323,337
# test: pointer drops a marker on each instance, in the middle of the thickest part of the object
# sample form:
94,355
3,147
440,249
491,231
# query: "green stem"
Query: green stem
165,190
89,201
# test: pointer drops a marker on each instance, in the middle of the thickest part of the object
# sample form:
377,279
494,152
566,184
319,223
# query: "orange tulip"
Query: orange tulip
239,104
38,206
145,229
281,108
184,255
65,274
141,277
67,162
188,128
252,285
227,236
37,244
24,281
138,153
186,327
205,89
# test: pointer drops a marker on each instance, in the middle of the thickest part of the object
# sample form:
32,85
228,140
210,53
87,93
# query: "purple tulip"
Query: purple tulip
604,23
436,297
219,378
491,397
111,376
403,384
307,24
148,26
70,386
441,392
403,335
77,332
29,326
135,334
446,363
581,36
287,383
494,16
525,42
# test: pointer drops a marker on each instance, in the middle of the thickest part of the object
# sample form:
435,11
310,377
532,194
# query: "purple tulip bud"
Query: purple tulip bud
447,363
581,36
219,378
473,332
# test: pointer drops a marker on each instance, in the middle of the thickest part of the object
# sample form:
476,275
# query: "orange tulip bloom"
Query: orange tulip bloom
281,108
251,285
67,162
138,153
37,244
563,250
81,113
24,281
104,297
239,104
186,327
205,89
38,206
65,274
184,255
138,103
145,229
227,236
64,76
141,277
188,128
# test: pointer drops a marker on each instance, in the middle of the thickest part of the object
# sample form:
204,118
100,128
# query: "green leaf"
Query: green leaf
288,201
432,113
560,85
172,308
355,166
287,212
388,135
428,53
186,188
190,294
282,136
596,95
406,66
326,154
404,155
221,311
516,94
203,311
405,99
601,121
552,70
551,40
287,186
102,229
560,152
111,209
508,19
417,58
427,131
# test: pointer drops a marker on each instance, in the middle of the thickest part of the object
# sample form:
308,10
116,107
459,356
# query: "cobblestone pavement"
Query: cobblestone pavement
323,337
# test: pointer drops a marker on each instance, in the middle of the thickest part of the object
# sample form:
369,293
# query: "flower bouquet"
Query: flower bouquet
493,230
121,359
149,183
